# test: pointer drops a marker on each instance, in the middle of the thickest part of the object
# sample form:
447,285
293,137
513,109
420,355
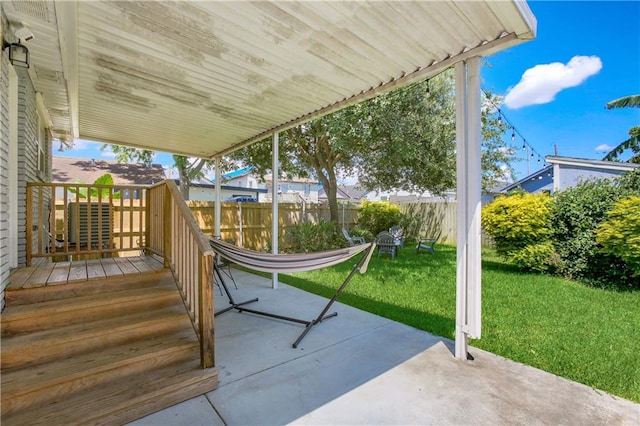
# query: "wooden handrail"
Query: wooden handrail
203,243
190,257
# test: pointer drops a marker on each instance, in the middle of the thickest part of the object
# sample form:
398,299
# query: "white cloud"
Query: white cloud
604,147
540,84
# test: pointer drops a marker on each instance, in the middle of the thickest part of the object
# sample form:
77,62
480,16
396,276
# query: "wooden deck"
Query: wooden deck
101,341
56,273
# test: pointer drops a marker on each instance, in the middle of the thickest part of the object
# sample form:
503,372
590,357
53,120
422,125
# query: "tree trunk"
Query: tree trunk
184,184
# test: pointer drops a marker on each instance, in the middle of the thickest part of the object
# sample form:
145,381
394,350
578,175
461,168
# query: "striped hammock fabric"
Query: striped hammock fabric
298,262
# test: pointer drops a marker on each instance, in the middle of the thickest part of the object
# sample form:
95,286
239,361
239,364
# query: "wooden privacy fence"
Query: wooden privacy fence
249,224
431,218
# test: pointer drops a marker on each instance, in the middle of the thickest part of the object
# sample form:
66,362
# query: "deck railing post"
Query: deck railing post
147,218
29,224
205,314
166,221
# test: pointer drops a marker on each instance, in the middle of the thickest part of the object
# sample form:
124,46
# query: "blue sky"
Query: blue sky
585,54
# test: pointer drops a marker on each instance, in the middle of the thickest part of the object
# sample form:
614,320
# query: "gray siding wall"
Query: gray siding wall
4,174
28,157
571,176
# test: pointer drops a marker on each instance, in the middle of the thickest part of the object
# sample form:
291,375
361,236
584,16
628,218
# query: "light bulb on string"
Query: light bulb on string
513,135
532,154
538,159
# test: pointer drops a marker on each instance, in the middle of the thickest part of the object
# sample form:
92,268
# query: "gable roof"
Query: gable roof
85,170
594,164
205,78
546,171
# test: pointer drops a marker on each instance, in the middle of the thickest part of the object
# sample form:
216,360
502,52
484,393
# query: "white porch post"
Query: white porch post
218,207
468,130
275,168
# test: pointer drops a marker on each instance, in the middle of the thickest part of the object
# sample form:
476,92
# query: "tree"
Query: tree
633,143
188,169
404,139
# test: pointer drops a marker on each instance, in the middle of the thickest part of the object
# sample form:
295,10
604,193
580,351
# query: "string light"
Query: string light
502,117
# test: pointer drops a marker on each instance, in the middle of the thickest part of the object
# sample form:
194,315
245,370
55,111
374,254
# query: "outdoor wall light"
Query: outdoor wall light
18,54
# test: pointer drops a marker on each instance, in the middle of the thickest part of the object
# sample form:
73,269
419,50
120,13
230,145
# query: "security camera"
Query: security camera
24,34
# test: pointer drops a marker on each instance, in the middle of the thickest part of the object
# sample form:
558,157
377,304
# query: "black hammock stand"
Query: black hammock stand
266,262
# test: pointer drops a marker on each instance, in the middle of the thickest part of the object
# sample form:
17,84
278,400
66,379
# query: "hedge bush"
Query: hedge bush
519,226
378,216
311,237
575,216
619,234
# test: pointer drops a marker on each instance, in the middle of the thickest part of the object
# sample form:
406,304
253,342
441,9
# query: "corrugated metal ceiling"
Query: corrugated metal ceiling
201,78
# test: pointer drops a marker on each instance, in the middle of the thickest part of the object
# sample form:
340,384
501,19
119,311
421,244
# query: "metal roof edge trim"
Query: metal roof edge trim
425,72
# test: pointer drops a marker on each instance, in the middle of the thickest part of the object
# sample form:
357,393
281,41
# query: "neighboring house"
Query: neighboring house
401,196
204,189
342,195
566,172
87,170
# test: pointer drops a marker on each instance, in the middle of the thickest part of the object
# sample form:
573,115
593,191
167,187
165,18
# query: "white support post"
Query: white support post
218,207
274,204
468,130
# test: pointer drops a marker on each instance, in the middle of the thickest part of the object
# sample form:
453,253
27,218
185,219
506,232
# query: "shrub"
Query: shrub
519,225
575,216
378,216
311,237
619,234
539,257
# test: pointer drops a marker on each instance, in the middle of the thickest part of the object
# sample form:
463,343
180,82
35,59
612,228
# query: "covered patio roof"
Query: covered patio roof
205,78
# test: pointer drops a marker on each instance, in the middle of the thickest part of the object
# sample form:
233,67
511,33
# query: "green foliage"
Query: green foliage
378,216
105,179
575,215
312,237
619,234
404,139
519,225
539,257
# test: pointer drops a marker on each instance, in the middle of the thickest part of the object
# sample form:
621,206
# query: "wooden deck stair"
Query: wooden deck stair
98,352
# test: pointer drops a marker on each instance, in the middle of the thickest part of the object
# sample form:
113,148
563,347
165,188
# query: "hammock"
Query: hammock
267,262
298,262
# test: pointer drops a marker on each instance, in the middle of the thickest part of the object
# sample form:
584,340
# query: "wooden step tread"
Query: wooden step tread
20,296
40,316
43,346
122,401
36,385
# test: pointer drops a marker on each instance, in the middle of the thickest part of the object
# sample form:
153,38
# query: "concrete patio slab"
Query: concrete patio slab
359,369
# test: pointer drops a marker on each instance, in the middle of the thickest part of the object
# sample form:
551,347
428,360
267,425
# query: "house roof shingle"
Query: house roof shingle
86,170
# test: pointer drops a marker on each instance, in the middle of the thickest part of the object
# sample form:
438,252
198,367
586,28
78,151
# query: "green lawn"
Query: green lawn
588,335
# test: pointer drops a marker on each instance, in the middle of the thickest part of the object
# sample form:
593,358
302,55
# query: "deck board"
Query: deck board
141,265
126,266
95,269
110,267
60,273
39,276
20,276
78,271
